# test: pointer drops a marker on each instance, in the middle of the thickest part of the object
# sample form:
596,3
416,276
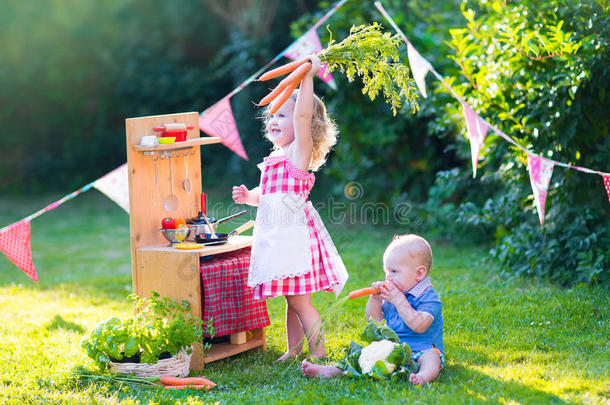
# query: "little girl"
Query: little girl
292,253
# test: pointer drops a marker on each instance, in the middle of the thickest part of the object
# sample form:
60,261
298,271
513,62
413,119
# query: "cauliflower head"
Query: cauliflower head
376,351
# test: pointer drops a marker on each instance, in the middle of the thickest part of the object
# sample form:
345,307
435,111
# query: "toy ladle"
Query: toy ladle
170,203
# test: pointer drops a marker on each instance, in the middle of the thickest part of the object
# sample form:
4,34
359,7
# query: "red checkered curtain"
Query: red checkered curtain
227,299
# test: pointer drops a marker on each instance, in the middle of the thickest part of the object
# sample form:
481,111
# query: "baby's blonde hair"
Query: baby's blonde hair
323,131
415,246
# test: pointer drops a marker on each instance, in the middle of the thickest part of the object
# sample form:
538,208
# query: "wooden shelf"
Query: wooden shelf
189,143
221,350
235,243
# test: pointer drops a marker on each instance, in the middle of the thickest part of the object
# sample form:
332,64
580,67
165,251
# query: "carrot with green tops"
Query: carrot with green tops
370,54
282,70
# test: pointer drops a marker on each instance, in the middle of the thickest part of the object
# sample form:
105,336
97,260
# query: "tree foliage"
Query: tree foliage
539,72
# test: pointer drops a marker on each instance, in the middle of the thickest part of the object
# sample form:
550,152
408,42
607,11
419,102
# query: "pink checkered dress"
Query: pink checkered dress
292,252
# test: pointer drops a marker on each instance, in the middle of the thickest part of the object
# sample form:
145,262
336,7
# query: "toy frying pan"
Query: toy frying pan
222,238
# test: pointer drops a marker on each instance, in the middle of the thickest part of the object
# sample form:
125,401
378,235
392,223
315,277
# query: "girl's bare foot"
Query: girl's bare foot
417,379
287,356
318,370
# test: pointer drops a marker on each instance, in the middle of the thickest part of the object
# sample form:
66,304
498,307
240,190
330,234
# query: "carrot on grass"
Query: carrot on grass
364,291
170,380
186,387
282,70
279,101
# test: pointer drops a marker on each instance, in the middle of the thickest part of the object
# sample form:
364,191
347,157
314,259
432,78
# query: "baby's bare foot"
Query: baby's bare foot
417,379
318,370
287,356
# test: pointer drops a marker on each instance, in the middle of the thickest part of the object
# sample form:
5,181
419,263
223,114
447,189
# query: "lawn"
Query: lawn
507,341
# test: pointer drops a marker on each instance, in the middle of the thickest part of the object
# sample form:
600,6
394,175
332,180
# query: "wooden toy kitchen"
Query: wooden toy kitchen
165,180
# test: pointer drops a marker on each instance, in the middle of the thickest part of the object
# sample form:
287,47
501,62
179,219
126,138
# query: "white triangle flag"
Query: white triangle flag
541,170
116,186
476,129
419,67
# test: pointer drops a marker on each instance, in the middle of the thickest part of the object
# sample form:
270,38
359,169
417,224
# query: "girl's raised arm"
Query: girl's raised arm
303,113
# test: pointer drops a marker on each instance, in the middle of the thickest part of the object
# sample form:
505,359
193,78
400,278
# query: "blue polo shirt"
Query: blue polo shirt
422,298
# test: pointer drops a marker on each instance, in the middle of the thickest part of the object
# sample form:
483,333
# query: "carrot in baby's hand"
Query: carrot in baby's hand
364,291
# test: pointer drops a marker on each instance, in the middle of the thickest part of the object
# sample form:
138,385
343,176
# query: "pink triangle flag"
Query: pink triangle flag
15,244
541,170
306,45
419,67
116,186
476,129
607,184
218,121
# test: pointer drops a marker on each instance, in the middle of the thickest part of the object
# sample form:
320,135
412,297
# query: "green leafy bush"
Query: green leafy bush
539,72
571,249
160,326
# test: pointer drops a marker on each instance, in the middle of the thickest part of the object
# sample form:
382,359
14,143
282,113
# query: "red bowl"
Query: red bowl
180,135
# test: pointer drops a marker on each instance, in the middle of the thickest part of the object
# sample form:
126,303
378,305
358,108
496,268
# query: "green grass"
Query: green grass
507,341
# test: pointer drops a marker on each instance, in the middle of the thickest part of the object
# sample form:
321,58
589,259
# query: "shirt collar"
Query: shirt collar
420,287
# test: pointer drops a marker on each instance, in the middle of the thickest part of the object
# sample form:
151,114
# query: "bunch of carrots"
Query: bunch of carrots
367,52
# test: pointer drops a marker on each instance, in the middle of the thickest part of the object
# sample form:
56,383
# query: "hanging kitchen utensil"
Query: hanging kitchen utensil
187,184
171,201
156,201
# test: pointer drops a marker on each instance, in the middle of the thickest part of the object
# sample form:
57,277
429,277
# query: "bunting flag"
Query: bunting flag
419,67
307,44
540,170
476,129
116,186
15,244
218,121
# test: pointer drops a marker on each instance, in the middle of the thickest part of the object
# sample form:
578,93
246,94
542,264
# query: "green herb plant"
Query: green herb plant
160,325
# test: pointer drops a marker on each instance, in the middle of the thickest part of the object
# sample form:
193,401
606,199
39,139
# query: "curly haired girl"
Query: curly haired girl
292,253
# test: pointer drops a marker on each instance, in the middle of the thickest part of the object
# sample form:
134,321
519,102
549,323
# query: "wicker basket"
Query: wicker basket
177,365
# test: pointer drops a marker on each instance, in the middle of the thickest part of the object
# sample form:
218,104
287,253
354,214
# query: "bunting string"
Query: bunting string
539,167
15,239
279,55
53,205
461,100
218,120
